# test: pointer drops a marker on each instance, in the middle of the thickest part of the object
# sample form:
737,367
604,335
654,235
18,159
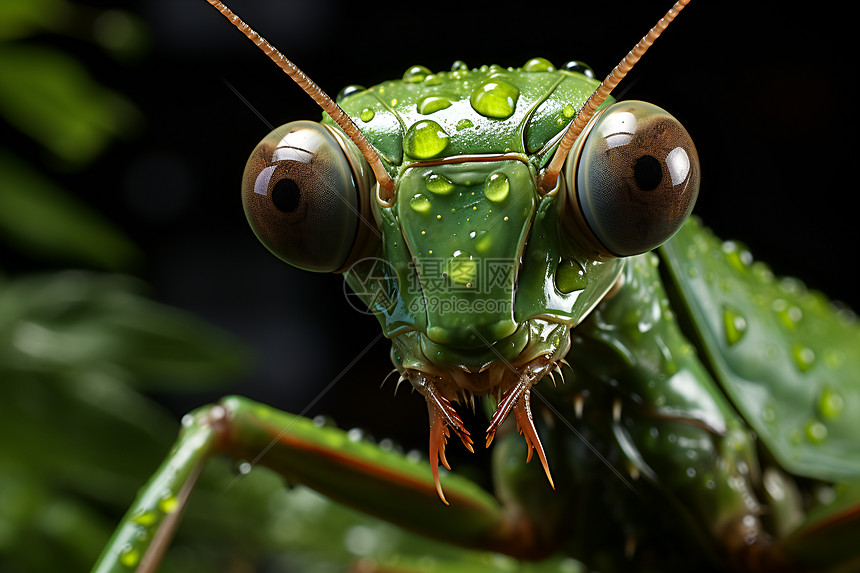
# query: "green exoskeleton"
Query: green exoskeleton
499,223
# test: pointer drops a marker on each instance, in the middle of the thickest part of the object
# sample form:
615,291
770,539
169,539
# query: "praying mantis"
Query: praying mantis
622,435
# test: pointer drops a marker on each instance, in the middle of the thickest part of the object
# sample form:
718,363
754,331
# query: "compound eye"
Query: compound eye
637,178
301,198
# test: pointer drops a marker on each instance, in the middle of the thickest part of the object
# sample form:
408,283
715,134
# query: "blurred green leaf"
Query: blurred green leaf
39,218
122,34
77,438
35,515
77,322
21,18
52,98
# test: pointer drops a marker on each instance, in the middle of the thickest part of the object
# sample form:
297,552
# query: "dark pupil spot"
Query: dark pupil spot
648,173
286,195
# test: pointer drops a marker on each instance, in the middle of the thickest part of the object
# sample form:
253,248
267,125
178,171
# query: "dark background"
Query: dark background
762,91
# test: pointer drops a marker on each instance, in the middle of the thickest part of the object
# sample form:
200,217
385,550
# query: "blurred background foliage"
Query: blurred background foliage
80,346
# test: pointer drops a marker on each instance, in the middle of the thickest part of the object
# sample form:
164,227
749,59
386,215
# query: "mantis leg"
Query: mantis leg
358,474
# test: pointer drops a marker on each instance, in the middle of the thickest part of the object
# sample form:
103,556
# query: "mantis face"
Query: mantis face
477,215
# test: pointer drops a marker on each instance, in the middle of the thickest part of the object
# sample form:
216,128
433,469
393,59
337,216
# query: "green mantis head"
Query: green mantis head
471,249
474,212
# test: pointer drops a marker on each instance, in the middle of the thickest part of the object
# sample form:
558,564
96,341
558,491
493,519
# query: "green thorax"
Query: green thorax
463,112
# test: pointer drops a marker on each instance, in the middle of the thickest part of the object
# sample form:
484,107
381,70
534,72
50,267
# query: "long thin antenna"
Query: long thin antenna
327,104
550,175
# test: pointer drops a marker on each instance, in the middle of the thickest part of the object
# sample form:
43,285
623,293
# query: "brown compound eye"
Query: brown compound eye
302,198
637,177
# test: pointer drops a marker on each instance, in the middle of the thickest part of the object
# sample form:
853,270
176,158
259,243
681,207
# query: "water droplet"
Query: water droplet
145,518
736,255
789,315
464,124
579,67
420,203
569,111
496,187
438,184
791,285
168,503
245,468
348,91
459,66
816,432
425,139
830,404
538,65
462,268
494,98
691,472
415,74
762,272
433,80
692,252
129,556
734,324
355,434
570,276
367,114
433,103
804,357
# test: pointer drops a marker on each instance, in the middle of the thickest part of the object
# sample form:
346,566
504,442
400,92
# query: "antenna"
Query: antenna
549,179
328,105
